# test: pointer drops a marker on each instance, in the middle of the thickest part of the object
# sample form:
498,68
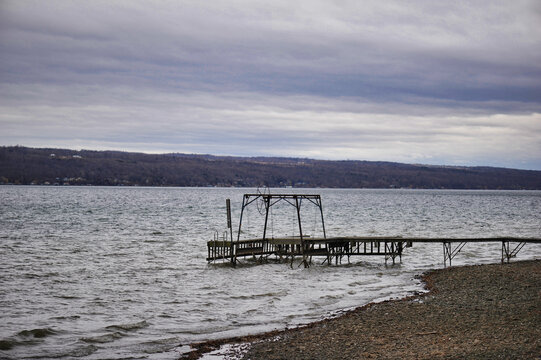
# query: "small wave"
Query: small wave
255,296
332,297
67,297
32,276
159,345
209,287
70,317
363,283
37,333
26,337
37,276
8,344
102,339
129,327
82,351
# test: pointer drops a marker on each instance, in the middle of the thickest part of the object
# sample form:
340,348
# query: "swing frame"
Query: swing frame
270,200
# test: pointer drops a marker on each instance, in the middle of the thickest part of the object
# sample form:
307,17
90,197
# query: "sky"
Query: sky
429,82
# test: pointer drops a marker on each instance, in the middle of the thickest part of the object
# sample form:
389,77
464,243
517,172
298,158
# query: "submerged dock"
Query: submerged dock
331,249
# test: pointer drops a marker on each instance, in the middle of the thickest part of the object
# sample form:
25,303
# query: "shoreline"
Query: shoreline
479,311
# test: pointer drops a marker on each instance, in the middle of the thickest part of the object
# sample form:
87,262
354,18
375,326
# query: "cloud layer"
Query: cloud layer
425,81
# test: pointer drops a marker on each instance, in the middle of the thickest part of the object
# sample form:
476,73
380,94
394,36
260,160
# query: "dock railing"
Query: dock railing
220,248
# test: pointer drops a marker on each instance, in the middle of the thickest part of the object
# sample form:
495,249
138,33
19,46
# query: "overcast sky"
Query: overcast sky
433,82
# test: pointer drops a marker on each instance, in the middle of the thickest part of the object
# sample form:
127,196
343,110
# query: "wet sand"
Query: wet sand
474,312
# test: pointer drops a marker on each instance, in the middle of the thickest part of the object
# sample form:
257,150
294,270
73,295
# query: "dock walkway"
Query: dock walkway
332,249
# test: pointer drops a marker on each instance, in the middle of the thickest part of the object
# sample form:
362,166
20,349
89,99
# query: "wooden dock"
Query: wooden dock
332,249
335,249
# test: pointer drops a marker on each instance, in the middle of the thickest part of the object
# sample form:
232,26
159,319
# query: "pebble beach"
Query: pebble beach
471,312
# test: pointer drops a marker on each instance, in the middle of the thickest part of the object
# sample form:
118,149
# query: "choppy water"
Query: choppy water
100,273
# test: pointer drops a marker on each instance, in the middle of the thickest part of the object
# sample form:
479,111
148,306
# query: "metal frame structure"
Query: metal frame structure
270,200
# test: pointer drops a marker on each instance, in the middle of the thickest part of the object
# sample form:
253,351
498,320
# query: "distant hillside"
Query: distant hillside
21,165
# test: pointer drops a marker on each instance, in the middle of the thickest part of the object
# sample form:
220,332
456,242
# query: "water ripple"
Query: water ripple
122,271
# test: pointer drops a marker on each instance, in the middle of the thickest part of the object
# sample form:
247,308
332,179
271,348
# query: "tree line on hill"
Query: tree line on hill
23,165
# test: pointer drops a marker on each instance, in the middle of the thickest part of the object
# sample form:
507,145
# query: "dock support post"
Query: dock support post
507,253
265,243
446,253
449,253
391,251
233,252
298,207
322,221
230,227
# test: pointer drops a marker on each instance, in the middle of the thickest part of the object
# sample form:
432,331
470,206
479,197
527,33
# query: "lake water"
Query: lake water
120,273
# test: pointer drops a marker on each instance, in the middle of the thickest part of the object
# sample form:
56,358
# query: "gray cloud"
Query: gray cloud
419,82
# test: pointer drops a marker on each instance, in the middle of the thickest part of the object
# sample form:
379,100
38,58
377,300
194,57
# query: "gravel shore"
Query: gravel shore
471,312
